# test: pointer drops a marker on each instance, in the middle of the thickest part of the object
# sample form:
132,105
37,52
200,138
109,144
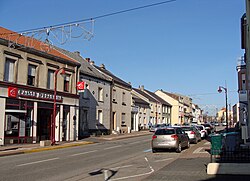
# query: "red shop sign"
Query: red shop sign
80,85
12,92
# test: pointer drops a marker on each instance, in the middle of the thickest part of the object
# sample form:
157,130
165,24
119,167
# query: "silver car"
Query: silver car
170,138
193,133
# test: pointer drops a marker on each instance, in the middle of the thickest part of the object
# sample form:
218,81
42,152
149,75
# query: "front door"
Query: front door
44,117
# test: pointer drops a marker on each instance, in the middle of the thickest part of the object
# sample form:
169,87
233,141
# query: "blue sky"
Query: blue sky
187,46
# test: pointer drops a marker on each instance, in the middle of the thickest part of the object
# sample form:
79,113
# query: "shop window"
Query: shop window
50,79
31,75
66,83
11,124
9,70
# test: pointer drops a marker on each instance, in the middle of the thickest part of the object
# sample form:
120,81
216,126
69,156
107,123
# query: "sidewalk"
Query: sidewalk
15,149
191,169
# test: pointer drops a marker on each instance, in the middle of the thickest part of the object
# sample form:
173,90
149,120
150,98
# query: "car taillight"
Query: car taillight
192,132
174,136
153,137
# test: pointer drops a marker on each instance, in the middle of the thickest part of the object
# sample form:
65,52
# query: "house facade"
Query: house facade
140,111
95,99
121,100
32,88
177,110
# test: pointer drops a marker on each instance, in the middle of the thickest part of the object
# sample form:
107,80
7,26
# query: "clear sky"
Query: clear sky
187,46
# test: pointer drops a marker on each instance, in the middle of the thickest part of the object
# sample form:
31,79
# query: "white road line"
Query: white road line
148,150
125,166
140,142
207,143
164,160
198,150
112,147
41,161
83,153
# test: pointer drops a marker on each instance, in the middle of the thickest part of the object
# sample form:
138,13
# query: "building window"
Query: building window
31,75
123,119
66,83
100,117
100,94
9,70
114,95
123,98
50,80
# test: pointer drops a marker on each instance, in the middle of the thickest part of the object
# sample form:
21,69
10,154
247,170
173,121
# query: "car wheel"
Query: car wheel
178,149
188,144
195,141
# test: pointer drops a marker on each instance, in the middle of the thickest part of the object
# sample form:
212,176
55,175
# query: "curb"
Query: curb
118,137
228,169
33,150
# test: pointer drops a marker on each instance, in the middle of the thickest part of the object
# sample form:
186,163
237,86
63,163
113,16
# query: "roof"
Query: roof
162,101
36,44
115,79
144,94
86,67
139,100
174,96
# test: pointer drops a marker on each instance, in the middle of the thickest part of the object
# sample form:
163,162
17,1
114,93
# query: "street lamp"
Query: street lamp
53,122
220,90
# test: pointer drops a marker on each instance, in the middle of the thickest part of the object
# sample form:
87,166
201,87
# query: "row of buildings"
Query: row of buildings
48,93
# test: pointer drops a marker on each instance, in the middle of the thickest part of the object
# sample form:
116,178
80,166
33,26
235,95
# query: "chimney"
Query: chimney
102,66
77,53
87,59
92,62
142,87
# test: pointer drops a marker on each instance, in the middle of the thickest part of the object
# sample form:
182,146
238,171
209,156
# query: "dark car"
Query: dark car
170,138
209,127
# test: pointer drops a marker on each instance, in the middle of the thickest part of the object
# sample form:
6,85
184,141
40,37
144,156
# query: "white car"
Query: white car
202,130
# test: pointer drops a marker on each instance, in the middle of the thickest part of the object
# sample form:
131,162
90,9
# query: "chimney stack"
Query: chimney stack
102,66
142,87
77,53
92,62
87,59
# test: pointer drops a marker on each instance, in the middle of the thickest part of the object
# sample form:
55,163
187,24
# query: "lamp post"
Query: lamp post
53,122
220,90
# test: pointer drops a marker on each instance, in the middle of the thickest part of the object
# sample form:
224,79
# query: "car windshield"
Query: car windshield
200,128
165,132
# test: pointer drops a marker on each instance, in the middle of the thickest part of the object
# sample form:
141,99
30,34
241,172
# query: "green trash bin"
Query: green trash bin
216,144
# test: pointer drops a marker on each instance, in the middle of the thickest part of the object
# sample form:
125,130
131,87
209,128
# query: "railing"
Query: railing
241,155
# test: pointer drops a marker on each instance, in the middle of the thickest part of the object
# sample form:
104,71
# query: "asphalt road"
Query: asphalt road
127,159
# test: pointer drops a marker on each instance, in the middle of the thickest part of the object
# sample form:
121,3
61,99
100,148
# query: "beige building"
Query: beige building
27,80
177,112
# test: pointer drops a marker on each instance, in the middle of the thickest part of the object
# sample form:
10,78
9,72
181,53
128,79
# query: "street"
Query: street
127,159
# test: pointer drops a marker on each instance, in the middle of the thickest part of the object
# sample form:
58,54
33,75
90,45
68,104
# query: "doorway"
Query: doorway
44,118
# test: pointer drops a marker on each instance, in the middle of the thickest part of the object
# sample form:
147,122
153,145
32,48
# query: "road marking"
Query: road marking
164,160
139,175
112,147
198,150
41,161
83,153
139,142
148,150
125,166
207,143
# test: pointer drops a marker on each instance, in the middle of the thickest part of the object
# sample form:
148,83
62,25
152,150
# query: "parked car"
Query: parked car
224,123
157,126
210,129
202,130
194,134
170,138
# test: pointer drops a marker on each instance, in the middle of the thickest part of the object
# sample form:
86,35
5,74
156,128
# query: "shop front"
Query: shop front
28,116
